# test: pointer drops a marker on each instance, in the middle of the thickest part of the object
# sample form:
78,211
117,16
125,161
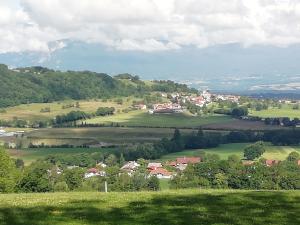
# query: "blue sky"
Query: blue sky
153,38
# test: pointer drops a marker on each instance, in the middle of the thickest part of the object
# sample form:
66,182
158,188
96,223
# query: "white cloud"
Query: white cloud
149,25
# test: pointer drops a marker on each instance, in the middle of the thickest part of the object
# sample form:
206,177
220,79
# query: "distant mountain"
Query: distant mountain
222,67
39,84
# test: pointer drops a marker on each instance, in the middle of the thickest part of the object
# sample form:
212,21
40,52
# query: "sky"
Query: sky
128,33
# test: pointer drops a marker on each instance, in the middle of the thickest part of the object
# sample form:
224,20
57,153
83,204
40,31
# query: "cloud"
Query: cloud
149,25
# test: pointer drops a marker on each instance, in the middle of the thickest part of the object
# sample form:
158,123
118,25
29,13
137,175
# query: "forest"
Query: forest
42,85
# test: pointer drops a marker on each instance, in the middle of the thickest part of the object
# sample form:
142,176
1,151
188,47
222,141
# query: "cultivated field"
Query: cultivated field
286,111
116,135
144,119
272,152
167,207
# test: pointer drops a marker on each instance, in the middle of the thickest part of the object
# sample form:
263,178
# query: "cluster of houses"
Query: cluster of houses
157,169
178,99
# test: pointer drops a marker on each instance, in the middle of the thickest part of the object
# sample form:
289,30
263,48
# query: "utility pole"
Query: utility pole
105,186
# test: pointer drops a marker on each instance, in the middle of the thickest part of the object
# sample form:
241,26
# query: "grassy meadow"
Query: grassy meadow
32,112
225,150
166,207
286,111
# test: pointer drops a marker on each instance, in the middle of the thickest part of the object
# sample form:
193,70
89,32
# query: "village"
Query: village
177,101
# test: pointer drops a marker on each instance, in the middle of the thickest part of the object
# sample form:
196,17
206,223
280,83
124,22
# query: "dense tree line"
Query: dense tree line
38,84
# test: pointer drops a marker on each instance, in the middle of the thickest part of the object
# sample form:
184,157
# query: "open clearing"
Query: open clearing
272,152
167,207
286,111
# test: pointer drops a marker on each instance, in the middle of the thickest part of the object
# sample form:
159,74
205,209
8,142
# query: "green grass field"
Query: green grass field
193,207
142,118
286,111
272,152
32,112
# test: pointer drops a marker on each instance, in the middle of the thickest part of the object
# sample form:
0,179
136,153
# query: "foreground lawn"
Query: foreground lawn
142,118
272,152
180,207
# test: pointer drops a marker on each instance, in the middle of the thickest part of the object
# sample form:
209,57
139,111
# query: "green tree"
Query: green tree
153,183
293,156
36,178
74,178
111,160
254,151
8,172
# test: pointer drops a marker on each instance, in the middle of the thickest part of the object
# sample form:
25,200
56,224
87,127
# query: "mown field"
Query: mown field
272,152
286,111
144,119
168,207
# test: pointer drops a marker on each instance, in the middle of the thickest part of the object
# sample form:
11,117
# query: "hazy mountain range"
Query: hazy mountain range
229,67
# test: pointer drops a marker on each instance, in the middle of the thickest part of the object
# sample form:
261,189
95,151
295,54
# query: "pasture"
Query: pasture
286,111
166,207
225,150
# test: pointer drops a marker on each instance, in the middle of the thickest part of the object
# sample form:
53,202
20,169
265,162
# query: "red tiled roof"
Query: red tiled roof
173,163
270,162
93,170
187,160
160,171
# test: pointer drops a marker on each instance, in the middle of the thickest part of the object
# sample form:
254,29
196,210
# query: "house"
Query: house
298,162
188,160
93,172
161,173
12,145
154,166
130,167
166,108
181,163
248,163
101,164
271,162
140,106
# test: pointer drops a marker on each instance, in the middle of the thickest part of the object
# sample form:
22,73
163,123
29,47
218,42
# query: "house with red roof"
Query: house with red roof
161,173
182,162
271,162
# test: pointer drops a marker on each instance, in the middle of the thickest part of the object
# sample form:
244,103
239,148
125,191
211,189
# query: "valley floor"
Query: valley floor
172,207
